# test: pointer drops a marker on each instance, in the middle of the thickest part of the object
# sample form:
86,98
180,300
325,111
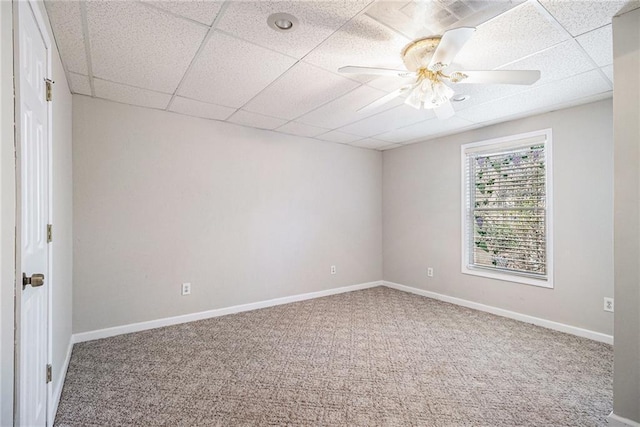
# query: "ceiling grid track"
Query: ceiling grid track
87,45
175,15
135,87
390,108
524,91
543,110
462,22
328,102
125,103
492,100
226,33
556,24
205,40
543,10
302,70
362,12
546,49
536,4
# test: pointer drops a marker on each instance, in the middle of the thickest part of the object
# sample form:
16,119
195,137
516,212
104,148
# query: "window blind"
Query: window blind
506,207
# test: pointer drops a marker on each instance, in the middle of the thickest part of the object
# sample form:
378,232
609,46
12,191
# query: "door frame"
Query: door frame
19,6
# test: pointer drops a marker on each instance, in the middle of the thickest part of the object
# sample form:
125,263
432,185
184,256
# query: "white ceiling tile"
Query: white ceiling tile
517,33
300,129
66,22
343,110
247,118
341,137
301,89
230,71
139,45
374,144
425,129
316,21
608,71
563,60
538,99
79,84
400,15
363,42
434,17
578,17
130,95
480,94
397,117
203,11
150,45
195,108
599,45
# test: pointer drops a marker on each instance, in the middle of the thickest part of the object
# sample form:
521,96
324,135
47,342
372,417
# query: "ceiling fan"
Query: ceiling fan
426,59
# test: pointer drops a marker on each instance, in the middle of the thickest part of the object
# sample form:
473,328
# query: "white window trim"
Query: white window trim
511,277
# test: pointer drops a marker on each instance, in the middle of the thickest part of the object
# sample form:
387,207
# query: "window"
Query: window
507,209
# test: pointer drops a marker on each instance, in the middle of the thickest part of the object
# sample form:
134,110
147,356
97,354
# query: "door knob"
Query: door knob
35,280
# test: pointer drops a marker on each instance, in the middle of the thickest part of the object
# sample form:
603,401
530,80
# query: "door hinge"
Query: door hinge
49,83
48,374
49,233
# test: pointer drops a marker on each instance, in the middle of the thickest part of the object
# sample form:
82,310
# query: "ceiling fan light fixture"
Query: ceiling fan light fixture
428,94
426,59
441,93
282,22
414,99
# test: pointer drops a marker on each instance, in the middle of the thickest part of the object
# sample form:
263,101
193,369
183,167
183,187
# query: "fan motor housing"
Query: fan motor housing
418,53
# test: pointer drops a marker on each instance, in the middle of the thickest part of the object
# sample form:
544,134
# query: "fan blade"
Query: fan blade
350,69
449,46
509,77
387,98
444,111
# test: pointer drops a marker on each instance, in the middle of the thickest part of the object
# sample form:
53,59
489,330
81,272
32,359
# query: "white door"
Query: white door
34,214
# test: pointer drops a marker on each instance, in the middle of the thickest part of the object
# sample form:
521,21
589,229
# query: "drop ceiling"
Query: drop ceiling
221,61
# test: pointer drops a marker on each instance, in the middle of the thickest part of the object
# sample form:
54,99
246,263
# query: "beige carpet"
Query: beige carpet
372,357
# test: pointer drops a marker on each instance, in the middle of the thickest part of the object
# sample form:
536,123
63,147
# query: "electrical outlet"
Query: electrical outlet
186,289
608,304
333,269
429,272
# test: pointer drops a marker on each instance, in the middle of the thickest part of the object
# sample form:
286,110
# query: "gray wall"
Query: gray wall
422,219
62,220
242,214
626,52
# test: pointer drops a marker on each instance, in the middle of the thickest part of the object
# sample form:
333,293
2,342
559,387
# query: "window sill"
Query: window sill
543,283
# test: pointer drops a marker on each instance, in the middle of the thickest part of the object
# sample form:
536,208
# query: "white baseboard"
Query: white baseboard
616,421
158,323
168,321
585,333
57,389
